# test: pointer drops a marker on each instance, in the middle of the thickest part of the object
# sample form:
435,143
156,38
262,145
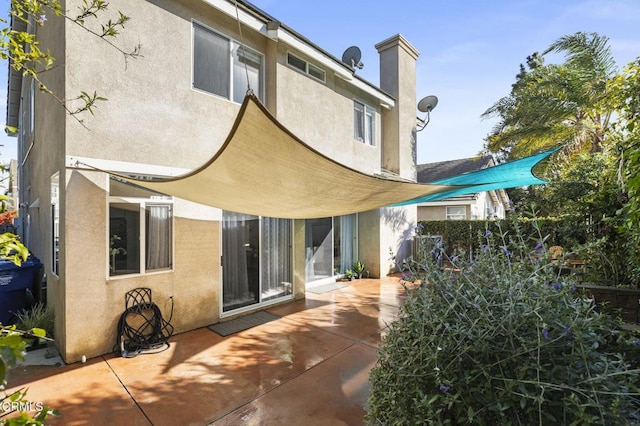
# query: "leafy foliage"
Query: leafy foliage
40,316
505,341
358,268
593,235
462,235
557,104
591,108
12,349
23,50
627,90
11,247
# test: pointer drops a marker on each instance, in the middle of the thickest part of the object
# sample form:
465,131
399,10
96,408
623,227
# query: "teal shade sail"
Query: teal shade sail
512,174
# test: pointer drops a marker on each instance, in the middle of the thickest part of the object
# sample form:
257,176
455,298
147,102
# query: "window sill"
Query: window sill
138,274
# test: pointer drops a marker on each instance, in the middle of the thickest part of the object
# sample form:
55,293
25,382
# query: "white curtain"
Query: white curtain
275,257
245,63
158,244
234,257
347,241
309,269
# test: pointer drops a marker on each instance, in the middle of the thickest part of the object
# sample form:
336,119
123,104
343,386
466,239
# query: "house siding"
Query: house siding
153,116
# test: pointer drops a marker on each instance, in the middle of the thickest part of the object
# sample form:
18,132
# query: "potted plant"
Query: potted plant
114,251
358,268
349,274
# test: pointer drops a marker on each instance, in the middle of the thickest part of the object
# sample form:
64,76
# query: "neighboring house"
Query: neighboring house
480,205
167,113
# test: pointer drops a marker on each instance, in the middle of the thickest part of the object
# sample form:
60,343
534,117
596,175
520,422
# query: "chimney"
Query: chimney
398,78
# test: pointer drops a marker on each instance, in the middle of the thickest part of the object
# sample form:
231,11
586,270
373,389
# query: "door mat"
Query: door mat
326,288
242,323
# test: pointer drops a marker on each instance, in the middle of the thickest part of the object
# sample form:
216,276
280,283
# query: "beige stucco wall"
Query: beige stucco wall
398,228
42,154
136,124
321,114
95,300
153,116
369,241
384,237
178,126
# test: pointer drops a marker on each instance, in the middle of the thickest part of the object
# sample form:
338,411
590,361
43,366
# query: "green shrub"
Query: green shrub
358,268
505,341
39,316
12,349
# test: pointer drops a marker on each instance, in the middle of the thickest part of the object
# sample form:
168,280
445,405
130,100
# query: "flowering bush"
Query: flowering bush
6,218
507,340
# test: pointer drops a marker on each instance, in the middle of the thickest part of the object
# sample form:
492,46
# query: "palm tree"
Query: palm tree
557,104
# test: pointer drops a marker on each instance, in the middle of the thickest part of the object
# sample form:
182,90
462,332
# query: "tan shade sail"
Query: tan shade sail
262,169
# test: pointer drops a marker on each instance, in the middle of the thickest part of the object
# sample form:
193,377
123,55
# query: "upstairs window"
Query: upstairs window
364,123
221,66
305,67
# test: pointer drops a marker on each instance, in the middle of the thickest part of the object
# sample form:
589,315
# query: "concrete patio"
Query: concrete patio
310,366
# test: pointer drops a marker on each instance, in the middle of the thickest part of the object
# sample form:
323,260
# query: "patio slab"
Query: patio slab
333,393
311,366
84,394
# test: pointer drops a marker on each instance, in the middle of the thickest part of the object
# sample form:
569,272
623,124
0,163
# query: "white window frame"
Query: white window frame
367,123
309,68
455,215
55,224
233,46
32,107
142,203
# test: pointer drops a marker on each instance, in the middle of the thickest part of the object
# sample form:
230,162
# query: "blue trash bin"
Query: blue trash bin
18,285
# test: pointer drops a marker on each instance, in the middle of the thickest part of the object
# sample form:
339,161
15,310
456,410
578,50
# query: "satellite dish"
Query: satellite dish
352,57
428,103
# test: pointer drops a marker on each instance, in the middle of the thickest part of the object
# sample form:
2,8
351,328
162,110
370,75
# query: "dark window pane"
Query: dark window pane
124,238
211,62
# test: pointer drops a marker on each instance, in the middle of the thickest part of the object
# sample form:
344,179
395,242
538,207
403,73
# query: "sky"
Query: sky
470,50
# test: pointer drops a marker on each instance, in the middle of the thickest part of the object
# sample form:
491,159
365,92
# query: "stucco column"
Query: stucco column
398,78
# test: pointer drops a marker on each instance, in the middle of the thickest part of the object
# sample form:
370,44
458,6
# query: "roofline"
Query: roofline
265,24
14,86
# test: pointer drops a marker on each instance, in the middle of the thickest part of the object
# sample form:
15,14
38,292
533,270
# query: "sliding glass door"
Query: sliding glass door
319,248
330,246
275,258
256,260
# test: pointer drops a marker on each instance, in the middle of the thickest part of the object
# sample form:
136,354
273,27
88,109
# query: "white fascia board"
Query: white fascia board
446,203
124,167
246,18
286,37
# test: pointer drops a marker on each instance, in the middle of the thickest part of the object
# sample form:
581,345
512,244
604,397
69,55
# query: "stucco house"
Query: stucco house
167,113
478,205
